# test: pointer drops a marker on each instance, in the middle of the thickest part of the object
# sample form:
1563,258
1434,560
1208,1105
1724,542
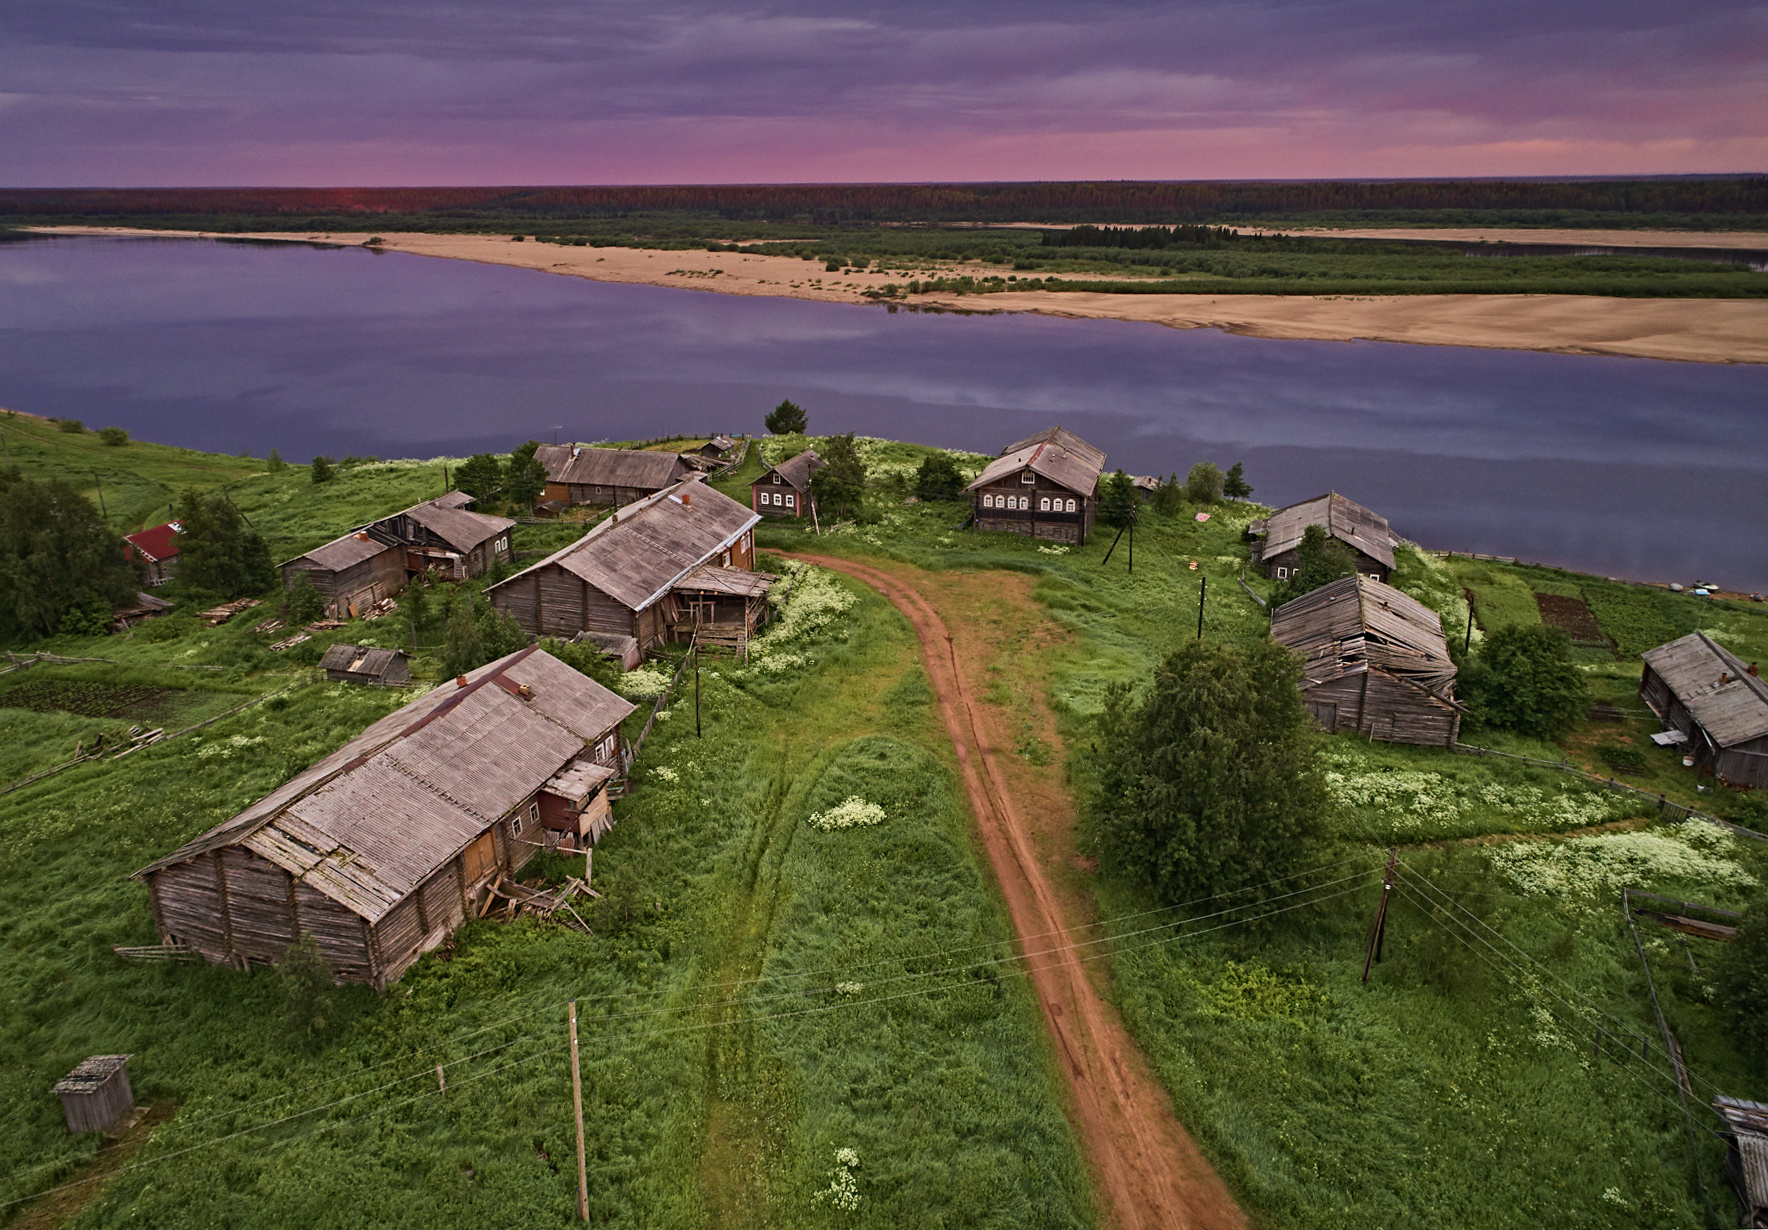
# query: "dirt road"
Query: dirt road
1148,1169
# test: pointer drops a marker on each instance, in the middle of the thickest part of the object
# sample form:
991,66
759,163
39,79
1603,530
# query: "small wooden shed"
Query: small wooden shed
1276,538
366,664
1044,486
1699,687
157,549
579,475
1376,662
718,448
96,1096
784,490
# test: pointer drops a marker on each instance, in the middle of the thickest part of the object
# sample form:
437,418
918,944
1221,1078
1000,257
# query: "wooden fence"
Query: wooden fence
633,748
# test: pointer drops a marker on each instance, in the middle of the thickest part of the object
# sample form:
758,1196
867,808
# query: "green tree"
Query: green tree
308,987
1210,781
304,603
1234,484
1118,502
1741,978
938,478
788,418
839,487
478,633
55,551
1524,680
89,615
113,437
274,463
323,471
1320,560
524,477
479,475
586,658
1203,485
219,552
1169,496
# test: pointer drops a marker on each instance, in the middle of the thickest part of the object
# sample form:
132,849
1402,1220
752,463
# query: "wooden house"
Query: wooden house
579,475
383,847
1375,660
718,448
365,664
375,560
1044,486
96,1096
1276,538
1699,687
157,550
1746,1155
652,571
784,490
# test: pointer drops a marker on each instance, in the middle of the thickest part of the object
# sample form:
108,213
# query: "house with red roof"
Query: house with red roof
157,549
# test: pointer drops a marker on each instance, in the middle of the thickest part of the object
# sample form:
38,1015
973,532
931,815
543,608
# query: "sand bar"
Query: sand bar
1689,330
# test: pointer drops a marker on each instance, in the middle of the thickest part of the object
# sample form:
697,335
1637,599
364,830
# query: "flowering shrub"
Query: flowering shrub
644,683
848,988
1692,851
1053,550
843,1188
852,814
807,601
225,748
664,773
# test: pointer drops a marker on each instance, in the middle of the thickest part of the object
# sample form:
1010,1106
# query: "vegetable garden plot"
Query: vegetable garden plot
1573,617
89,698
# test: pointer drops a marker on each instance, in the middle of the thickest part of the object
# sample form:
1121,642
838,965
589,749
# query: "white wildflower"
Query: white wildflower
644,683
664,773
1053,550
854,813
849,988
843,1188
1690,851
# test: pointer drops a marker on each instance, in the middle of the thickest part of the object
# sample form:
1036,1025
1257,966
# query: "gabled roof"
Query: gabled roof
1346,520
359,659
345,552
459,528
795,470
373,820
639,553
1056,453
1732,712
158,544
723,444
609,467
454,499
1355,624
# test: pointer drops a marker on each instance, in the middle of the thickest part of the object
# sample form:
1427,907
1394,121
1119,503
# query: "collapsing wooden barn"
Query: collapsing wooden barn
383,847
654,571
1376,662
365,664
1699,687
1276,538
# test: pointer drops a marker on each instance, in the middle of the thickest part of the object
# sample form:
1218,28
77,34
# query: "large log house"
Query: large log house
1045,486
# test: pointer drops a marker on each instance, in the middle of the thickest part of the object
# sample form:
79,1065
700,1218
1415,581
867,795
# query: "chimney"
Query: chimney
1753,671
460,681
687,499
1724,678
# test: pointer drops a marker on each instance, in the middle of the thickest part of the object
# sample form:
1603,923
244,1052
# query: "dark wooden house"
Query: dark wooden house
157,549
1044,486
649,572
96,1096
579,475
718,448
1699,687
375,560
1376,662
1746,1155
382,848
365,664
784,490
1276,538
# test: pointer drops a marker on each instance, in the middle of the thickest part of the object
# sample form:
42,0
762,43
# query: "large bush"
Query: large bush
55,552
219,552
1742,978
1524,680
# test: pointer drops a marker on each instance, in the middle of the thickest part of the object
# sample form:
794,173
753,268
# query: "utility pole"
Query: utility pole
1467,641
1380,931
1132,546
696,684
1202,593
577,1108
1113,547
102,511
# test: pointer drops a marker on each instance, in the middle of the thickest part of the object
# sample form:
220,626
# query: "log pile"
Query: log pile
216,616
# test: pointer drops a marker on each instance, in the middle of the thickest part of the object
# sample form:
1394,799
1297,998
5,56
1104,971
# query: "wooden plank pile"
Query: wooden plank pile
384,607
291,641
324,625
554,905
270,625
216,616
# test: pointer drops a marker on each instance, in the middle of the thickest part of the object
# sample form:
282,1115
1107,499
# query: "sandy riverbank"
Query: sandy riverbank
1690,330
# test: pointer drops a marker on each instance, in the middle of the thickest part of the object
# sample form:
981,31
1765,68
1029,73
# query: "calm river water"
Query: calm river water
1626,467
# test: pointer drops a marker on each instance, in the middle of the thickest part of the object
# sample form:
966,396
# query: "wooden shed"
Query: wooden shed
157,549
374,561
629,575
382,848
1746,1155
1699,687
576,474
1376,662
784,490
96,1096
718,448
365,664
1044,486
1276,538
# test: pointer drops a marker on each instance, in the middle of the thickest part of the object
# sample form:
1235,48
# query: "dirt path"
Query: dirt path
1149,1170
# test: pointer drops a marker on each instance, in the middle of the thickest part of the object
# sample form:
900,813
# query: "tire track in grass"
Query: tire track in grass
1150,1170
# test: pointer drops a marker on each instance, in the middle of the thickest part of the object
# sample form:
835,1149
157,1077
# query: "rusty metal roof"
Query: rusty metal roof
796,470
609,467
370,822
1731,712
1056,453
646,548
1355,624
1346,520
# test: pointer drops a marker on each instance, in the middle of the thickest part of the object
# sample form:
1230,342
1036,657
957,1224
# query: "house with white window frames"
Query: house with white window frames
784,490
1045,486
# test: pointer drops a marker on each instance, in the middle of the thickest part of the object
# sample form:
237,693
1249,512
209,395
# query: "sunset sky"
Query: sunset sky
344,92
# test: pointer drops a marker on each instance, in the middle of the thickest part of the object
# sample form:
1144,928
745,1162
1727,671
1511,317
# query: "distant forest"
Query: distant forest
1698,203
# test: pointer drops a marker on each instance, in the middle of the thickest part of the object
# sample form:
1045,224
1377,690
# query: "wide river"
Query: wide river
1626,467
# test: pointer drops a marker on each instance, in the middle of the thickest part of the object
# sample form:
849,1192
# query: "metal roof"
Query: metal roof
643,550
370,822
359,659
158,543
609,467
1355,624
1748,1122
1056,453
1346,520
459,528
797,470
1731,712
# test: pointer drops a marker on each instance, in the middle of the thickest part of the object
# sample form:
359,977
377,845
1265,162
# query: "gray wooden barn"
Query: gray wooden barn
576,474
1720,704
96,1096
382,848
366,664
1375,660
1044,486
1276,538
652,571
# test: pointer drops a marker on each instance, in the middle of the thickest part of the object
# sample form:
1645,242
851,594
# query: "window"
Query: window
533,818
988,501
1374,576
776,479
727,559
789,503
1025,502
1028,478
502,544
1071,506
1282,574
1043,504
